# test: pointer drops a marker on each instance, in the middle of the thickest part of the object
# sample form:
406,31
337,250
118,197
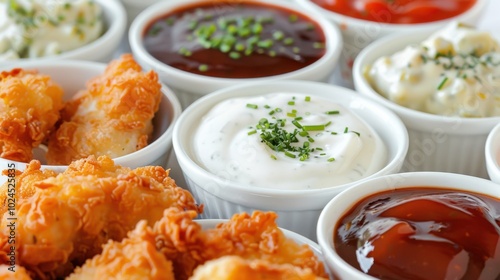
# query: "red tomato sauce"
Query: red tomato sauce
235,40
398,11
422,233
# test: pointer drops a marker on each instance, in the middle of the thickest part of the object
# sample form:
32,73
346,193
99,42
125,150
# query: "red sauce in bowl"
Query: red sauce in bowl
422,233
398,11
235,40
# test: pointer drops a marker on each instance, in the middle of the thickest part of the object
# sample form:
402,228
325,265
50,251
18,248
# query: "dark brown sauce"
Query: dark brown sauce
286,42
423,233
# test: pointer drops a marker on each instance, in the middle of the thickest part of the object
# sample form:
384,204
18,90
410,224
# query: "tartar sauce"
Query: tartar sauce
454,72
287,141
38,28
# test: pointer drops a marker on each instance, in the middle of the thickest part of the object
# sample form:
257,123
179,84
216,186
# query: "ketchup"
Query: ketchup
422,233
398,11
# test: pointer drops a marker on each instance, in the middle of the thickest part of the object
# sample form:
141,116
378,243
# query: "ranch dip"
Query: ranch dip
287,141
38,28
454,72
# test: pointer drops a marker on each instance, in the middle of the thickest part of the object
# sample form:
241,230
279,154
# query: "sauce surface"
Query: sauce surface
235,40
283,141
398,11
422,233
454,72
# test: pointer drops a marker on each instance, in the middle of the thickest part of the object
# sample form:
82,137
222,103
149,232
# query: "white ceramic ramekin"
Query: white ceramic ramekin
343,202
189,86
298,210
437,143
103,48
72,75
492,154
358,33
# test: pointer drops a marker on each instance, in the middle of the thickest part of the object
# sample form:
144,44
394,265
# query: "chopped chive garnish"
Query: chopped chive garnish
355,132
252,132
252,106
278,35
333,133
331,159
346,129
443,82
318,45
203,68
272,112
234,55
291,115
317,127
328,123
332,112
307,99
288,41
290,155
274,157
291,103
293,18
297,124
299,118
303,133
267,106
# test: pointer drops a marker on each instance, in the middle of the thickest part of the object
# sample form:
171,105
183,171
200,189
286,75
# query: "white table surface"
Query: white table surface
490,21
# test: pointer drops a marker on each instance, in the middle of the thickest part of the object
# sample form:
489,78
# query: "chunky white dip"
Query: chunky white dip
333,146
454,72
38,28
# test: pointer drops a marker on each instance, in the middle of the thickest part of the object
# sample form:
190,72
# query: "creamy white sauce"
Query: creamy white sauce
454,72
38,28
224,147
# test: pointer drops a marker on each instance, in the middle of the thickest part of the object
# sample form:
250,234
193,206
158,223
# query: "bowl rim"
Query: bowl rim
99,67
492,149
187,161
475,9
334,210
114,30
422,120
331,32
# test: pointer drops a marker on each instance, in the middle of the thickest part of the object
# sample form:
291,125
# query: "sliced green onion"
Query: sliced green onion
252,106
332,112
443,82
317,127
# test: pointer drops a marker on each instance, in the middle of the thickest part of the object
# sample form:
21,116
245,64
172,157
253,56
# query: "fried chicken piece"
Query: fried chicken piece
112,117
24,183
259,245
15,273
135,257
255,237
29,108
234,267
71,215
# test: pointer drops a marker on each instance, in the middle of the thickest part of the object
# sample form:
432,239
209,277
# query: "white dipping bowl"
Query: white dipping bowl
72,76
492,154
189,86
103,48
342,203
298,210
437,143
358,33
135,7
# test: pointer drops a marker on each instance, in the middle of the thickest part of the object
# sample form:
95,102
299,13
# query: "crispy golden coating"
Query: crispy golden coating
70,216
19,273
134,258
112,117
251,237
261,248
237,268
29,108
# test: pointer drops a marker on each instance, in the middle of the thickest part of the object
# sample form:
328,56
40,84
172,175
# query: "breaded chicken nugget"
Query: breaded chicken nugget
112,117
29,108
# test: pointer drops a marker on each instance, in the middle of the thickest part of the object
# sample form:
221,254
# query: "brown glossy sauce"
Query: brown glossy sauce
423,233
264,40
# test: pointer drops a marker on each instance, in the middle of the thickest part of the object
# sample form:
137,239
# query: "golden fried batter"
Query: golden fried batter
260,246
237,268
112,117
29,108
69,216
